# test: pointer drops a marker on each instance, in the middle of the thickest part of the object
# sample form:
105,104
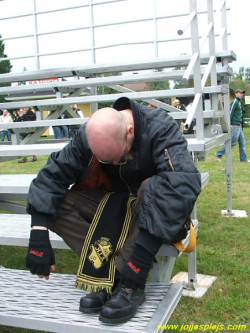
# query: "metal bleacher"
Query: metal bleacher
206,63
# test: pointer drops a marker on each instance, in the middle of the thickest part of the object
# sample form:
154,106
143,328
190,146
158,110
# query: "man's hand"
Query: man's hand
40,257
135,271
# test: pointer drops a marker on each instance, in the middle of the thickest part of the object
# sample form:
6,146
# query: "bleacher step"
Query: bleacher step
52,306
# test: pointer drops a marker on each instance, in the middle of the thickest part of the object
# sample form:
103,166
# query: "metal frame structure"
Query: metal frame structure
92,27
200,66
209,70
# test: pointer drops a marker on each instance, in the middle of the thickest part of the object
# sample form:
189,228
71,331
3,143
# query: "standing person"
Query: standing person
57,132
189,106
26,114
191,127
60,131
5,118
237,134
135,185
178,105
74,128
64,128
14,115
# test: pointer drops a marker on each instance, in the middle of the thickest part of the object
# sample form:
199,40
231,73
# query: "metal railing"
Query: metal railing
93,37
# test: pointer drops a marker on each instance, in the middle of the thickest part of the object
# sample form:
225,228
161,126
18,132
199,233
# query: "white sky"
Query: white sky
238,24
238,18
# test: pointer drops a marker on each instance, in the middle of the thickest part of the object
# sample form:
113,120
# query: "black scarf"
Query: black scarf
105,237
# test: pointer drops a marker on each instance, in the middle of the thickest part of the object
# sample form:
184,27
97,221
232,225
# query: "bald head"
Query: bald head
106,134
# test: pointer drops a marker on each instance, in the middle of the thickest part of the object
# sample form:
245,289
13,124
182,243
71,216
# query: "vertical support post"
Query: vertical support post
223,10
155,32
93,90
229,176
92,33
36,37
212,53
39,115
192,270
15,138
197,70
94,105
224,26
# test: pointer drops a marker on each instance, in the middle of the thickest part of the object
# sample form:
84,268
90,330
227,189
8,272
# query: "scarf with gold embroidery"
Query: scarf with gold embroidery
106,236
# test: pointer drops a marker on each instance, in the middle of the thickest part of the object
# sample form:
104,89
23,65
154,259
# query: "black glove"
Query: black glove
40,254
134,273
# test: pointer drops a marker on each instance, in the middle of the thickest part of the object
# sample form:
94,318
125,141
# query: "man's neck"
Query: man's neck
128,114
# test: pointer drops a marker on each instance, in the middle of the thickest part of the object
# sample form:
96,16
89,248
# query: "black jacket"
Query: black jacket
160,153
28,116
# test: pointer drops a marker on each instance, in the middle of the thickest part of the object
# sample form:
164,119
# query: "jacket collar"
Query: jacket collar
124,103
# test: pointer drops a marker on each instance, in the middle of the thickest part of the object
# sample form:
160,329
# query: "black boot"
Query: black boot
122,306
94,301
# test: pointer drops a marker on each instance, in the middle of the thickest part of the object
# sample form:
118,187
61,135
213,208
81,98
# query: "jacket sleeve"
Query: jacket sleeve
171,193
233,106
63,169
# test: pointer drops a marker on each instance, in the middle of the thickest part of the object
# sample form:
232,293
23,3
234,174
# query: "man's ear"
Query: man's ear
131,129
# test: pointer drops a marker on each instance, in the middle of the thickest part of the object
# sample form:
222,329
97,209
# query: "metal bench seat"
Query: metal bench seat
52,306
15,231
16,186
8,151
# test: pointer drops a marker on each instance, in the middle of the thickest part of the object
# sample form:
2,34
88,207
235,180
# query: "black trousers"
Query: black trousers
75,213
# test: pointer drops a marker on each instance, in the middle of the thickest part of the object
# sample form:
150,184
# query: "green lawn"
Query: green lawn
223,248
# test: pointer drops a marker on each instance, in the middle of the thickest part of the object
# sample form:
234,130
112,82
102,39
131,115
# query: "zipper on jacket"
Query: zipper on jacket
168,158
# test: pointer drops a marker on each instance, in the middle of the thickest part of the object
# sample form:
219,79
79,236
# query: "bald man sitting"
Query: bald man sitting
121,188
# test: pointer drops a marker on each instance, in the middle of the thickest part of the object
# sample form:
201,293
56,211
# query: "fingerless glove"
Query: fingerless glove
135,271
40,254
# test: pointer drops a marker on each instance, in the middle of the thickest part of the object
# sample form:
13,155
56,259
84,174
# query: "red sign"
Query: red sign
55,79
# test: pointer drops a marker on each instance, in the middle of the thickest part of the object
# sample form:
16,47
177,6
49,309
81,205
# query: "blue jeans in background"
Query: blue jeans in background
7,133
64,131
237,135
57,132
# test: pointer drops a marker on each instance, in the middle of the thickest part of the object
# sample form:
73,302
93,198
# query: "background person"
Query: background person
189,106
237,134
74,128
178,105
5,118
64,128
26,114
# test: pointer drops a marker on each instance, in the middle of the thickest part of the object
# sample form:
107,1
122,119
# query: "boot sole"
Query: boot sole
89,310
121,320
118,320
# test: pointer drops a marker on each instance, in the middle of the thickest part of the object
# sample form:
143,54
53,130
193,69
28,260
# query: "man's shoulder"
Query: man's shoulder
235,101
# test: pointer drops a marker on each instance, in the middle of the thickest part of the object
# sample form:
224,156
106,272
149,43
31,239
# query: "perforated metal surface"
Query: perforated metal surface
15,230
26,301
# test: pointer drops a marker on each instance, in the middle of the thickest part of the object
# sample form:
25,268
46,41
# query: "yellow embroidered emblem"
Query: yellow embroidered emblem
100,252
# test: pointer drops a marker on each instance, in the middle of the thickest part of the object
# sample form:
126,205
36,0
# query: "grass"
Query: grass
223,248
